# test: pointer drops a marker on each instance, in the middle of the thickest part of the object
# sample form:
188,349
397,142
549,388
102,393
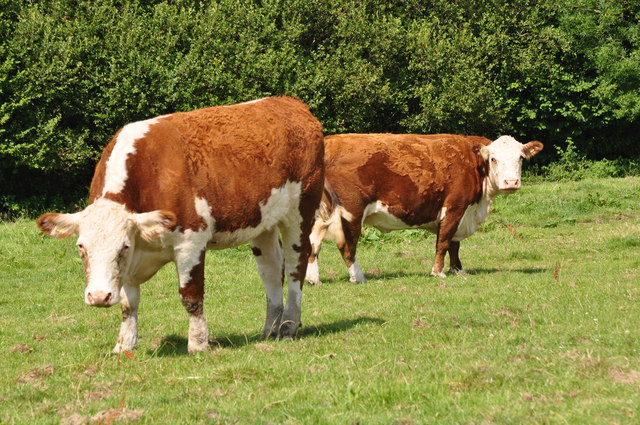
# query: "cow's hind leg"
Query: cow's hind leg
268,254
454,258
190,267
316,237
348,246
295,230
129,301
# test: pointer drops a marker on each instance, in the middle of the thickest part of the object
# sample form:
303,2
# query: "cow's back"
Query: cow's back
230,156
412,174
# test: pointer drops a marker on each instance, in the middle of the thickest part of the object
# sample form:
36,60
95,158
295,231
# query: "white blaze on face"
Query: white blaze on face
106,238
116,169
505,164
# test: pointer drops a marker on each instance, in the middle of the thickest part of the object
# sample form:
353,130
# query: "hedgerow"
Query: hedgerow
73,71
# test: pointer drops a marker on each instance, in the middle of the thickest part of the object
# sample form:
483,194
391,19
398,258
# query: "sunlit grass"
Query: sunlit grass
545,332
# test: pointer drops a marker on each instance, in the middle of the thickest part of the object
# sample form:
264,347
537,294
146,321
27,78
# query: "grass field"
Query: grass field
547,331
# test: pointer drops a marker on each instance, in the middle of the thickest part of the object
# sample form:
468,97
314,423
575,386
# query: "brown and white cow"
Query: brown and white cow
443,183
169,188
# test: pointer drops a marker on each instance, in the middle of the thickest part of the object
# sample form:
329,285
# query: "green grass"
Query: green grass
545,332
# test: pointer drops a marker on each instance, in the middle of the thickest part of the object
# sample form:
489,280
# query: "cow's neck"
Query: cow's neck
489,190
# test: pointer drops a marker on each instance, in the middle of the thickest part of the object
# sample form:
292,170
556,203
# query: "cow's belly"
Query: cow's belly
473,217
222,240
281,207
377,215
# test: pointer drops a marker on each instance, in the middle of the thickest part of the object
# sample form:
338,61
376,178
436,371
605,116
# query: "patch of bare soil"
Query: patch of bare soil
21,348
631,377
36,375
109,416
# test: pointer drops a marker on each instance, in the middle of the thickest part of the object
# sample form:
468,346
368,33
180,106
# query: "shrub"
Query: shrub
72,72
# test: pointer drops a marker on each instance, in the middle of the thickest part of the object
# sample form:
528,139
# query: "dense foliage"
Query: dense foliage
73,71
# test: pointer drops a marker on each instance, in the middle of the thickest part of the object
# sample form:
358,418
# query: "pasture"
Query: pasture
547,330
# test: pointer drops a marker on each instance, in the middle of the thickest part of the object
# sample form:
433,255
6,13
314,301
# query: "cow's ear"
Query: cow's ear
59,225
531,149
482,150
155,223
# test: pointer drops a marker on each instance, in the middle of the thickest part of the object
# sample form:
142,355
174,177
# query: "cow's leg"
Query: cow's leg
297,248
190,265
129,301
268,254
446,229
316,237
351,231
454,258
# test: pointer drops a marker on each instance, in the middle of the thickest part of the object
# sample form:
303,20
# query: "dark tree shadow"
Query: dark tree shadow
175,345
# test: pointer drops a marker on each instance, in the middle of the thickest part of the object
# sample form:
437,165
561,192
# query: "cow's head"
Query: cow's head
107,237
504,156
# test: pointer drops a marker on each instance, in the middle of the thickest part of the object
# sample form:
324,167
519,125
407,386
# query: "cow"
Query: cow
169,188
443,183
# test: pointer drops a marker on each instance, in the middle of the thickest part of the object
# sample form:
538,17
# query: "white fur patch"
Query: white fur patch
377,215
355,273
505,165
189,244
104,229
277,207
116,172
313,273
473,217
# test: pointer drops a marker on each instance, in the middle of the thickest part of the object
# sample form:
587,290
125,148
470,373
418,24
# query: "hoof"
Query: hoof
358,280
312,282
288,330
198,348
122,347
441,274
268,334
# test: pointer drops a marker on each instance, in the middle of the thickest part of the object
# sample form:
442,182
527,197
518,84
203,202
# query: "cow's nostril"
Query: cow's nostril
100,298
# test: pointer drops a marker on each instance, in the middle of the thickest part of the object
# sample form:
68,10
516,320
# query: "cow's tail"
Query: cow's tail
331,213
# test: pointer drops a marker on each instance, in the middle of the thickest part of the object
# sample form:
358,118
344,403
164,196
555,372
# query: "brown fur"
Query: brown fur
230,156
214,153
414,175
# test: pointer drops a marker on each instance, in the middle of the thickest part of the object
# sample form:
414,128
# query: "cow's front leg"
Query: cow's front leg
191,276
446,229
268,254
129,301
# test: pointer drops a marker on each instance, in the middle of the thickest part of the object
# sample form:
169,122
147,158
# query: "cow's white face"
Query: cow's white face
107,236
505,162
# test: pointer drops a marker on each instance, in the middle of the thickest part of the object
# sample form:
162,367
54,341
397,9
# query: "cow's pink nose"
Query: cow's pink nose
511,184
99,298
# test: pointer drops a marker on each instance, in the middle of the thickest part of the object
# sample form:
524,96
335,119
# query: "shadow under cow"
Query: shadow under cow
174,345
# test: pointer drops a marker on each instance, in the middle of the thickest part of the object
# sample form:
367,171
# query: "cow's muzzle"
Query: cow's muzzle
510,185
100,299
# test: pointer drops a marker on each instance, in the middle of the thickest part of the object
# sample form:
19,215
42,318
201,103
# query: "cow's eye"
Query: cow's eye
123,251
83,251
494,161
